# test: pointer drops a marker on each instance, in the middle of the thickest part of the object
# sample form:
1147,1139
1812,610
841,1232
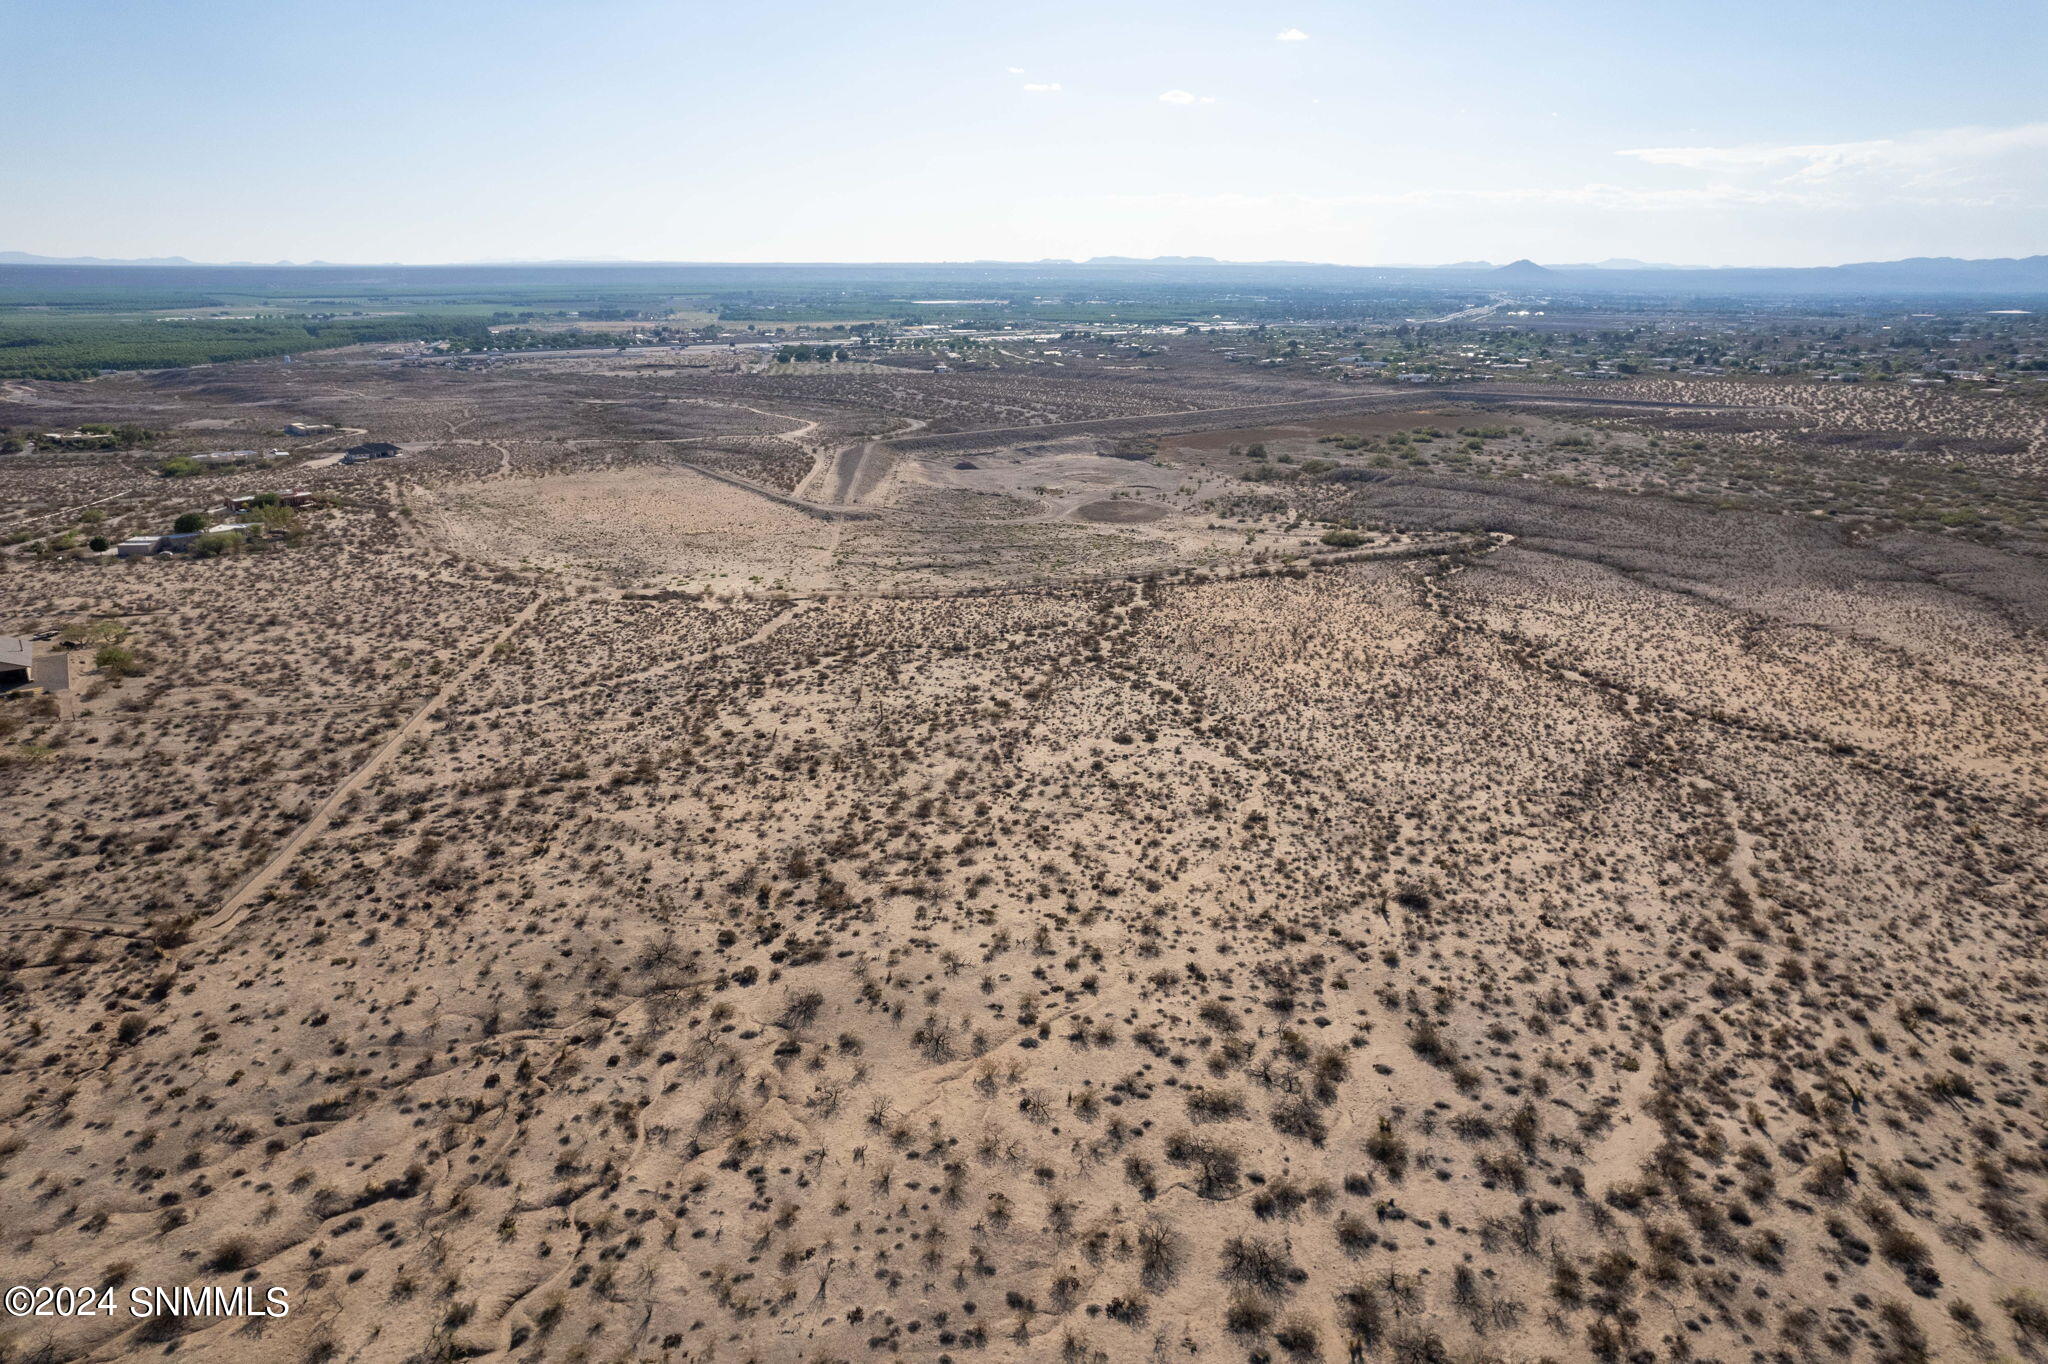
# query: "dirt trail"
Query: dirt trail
769,627
843,467
1186,420
804,427
852,461
125,929
236,907
69,513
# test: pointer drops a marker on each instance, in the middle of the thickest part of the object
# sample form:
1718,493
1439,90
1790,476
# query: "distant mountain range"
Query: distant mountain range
1611,263
26,258
2006,277
1151,260
1624,263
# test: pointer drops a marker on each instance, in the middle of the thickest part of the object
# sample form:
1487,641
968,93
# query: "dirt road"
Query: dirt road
236,906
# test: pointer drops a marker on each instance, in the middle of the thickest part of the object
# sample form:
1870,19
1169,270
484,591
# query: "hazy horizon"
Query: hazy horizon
640,132
177,259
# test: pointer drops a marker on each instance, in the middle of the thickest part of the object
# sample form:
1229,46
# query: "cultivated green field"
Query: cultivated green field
70,346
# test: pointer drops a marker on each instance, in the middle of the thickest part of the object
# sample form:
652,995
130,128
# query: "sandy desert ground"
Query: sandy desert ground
586,894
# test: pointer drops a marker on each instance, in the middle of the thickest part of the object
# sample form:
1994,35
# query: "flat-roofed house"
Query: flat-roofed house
22,662
17,657
179,541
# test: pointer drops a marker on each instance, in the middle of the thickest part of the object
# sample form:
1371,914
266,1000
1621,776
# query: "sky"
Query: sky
1796,132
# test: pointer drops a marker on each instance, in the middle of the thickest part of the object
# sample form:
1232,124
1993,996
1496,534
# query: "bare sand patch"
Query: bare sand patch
635,525
1120,513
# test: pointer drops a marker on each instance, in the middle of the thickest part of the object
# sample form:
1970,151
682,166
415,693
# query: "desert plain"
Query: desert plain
699,859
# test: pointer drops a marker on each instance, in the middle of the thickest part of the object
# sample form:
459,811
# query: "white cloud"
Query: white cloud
1183,97
1291,35
1972,164
1014,70
1045,88
1336,207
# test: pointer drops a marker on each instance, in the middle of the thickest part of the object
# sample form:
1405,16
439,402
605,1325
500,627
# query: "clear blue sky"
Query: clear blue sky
1787,132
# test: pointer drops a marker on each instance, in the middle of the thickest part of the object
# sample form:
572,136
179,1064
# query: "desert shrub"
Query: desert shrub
1902,1248
1354,1235
1260,1266
934,1037
801,1009
1829,1178
118,660
1905,1342
1298,1117
1952,1088
1428,1041
2029,1315
1215,1164
1299,1337
1362,1314
1247,1317
1420,1346
228,1256
1159,1253
1282,1198
1386,1146
1214,1105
